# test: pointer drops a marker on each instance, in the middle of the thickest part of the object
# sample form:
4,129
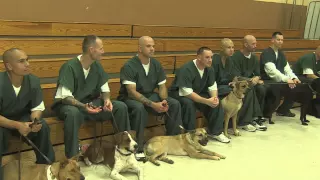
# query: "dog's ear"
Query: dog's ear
118,138
76,157
55,168
64,163
132,134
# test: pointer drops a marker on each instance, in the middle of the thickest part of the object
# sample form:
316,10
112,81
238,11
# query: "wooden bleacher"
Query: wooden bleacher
52,44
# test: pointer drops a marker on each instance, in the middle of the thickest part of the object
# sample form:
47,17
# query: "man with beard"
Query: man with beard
248,65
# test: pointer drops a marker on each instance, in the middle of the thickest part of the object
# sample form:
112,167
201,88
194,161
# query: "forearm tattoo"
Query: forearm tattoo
145,100
72,101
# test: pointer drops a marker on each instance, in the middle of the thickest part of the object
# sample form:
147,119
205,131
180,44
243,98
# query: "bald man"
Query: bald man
226,70
140,77
20,104
248,64
307,68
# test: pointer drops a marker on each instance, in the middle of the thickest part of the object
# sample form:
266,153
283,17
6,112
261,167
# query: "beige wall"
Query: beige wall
203,13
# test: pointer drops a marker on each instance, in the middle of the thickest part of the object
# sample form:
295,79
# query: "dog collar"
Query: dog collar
124,154
236,95
50,176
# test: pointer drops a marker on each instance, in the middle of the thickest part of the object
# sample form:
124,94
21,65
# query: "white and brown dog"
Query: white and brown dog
119,156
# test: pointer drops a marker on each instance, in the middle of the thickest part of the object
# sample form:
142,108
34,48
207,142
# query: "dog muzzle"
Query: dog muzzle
203,141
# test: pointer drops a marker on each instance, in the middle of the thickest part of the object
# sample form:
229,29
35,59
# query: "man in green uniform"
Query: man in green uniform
20,104
139,77
195,87
307,68
227,67
281,81
83,93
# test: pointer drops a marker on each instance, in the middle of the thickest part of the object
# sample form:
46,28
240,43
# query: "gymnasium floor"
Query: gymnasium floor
286,151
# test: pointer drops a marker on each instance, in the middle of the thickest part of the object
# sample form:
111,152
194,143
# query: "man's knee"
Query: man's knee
72,116
120,106
261,89
187,103
173,103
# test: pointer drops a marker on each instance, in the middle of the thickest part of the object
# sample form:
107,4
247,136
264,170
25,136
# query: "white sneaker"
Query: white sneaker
249,128
140,156
222,138
259,126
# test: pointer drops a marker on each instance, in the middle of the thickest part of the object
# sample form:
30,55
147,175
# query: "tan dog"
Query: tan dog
119,156
231,105
188,144
61,170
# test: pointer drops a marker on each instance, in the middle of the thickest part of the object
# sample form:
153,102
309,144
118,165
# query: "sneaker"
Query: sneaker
140,156
249,128
259,125
222,138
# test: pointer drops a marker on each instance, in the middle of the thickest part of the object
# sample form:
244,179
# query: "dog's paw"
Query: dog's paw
87,161
222,157
170,161
216,158
237,133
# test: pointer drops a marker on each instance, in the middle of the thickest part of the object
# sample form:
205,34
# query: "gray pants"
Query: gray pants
73,118
41,139
139,117
253,104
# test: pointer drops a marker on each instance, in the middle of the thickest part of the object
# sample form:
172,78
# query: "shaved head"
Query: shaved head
8,55
227,47
248,39
249,43
146,46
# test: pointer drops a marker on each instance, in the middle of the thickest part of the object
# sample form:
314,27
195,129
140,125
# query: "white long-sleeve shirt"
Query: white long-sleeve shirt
276,75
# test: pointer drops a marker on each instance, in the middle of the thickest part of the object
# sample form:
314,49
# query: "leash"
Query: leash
36,121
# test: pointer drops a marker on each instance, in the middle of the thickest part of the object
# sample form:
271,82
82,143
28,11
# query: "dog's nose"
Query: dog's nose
82,178
135,146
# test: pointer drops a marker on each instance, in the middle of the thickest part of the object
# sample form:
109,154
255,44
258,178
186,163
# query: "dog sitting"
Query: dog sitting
188,144
119,156
232,103
61,170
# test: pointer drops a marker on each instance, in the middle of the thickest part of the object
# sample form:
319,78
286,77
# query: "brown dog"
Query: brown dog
119,156
188,144
61,170
231,105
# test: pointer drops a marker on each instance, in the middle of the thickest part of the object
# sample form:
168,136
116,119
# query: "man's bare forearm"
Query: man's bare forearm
312,76
106,96
214,93
7,123
163,92
35,115
139,97
195,97
73,102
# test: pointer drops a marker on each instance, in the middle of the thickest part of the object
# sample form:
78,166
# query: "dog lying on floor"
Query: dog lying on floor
188,144
231,105
61,170
118,156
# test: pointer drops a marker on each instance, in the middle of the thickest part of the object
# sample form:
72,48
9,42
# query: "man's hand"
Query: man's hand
107,105
24,128
255,80
212,102
296,81
158,107
260,82
291,83
165,105
91,109
36,127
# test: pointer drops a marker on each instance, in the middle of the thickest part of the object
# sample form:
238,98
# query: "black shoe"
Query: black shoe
289,114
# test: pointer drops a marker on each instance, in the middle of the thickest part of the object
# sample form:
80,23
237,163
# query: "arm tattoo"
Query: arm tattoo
145,100
72,101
